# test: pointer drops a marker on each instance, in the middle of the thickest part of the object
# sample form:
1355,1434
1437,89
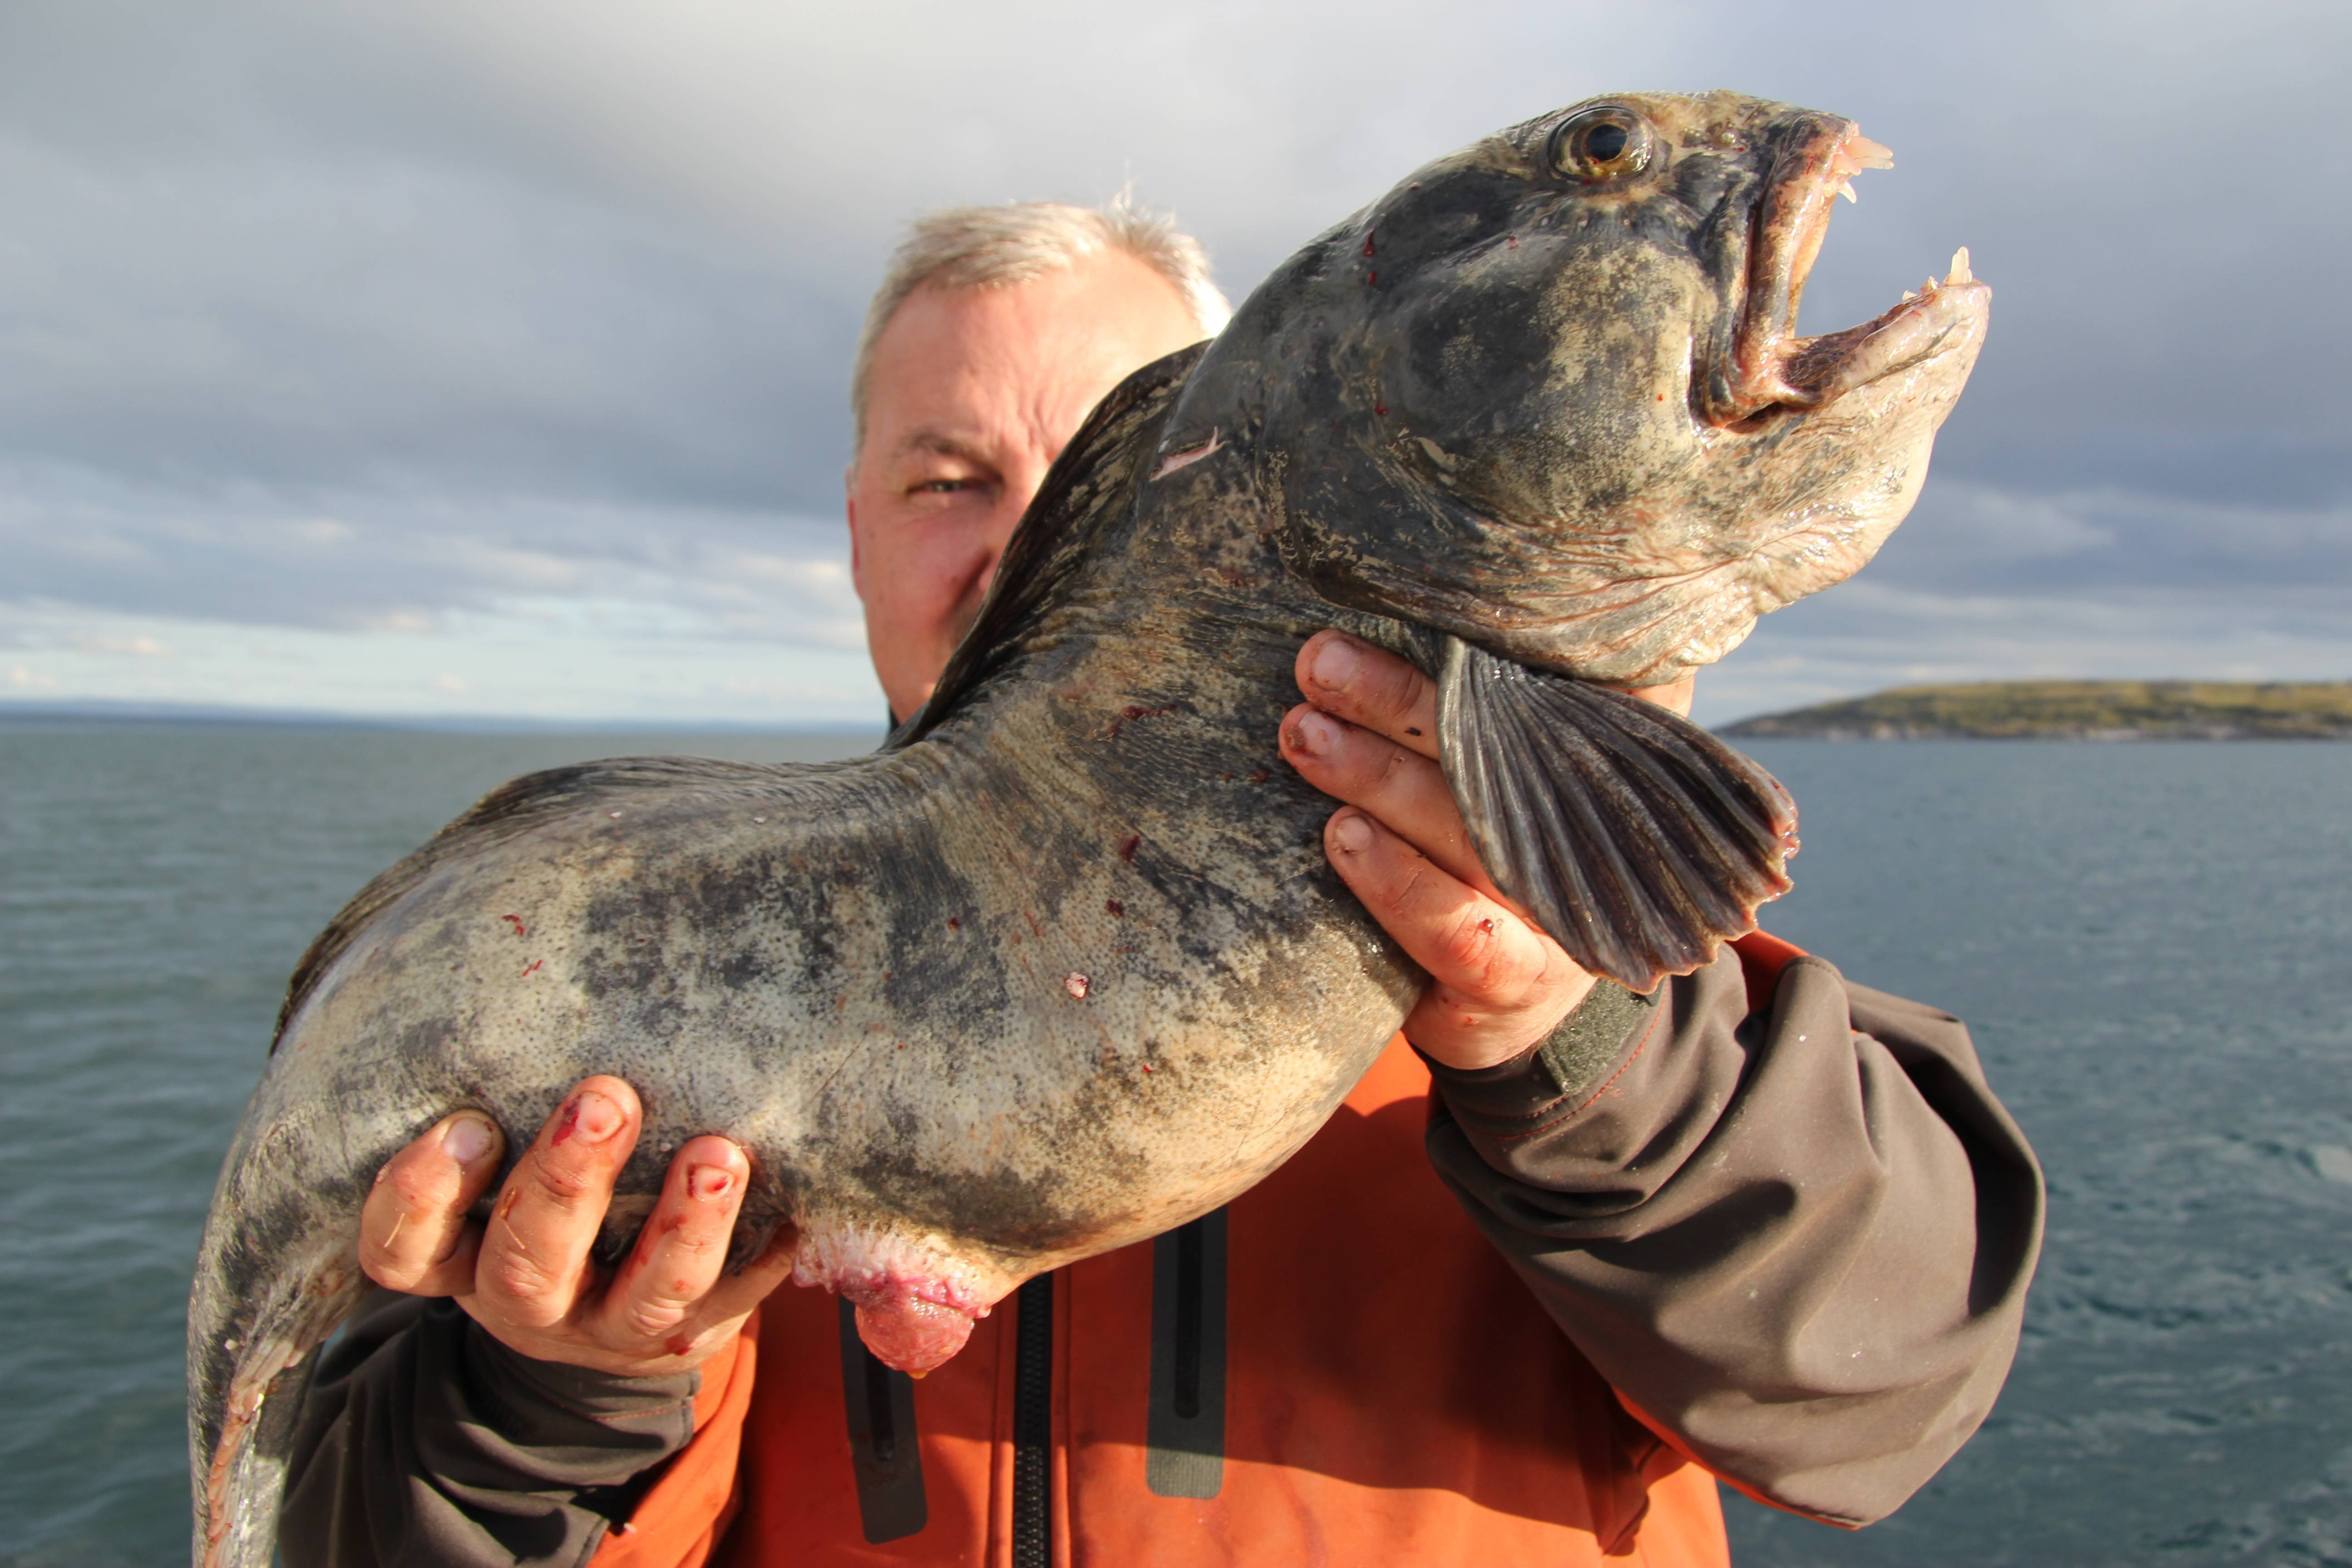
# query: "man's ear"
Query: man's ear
849,509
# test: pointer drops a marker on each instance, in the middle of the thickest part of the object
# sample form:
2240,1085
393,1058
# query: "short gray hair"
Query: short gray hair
994,247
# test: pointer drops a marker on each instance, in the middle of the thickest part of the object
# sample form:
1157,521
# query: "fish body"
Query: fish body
1065,965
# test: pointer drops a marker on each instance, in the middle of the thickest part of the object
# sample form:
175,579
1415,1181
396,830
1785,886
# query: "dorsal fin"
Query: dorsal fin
1088,485
508,811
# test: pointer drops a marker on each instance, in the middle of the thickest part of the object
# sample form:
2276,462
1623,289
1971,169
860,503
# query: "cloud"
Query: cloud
394,561
321,317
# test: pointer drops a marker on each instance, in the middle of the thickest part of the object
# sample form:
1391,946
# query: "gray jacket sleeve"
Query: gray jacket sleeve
1798,1241
424,1441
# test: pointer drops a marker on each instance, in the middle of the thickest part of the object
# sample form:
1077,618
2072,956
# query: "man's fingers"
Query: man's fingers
1371,687
1470,944
1497,983
1404,791
658,1293
414,1234
534,1258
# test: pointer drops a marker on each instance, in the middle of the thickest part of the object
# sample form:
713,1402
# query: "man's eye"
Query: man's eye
942,487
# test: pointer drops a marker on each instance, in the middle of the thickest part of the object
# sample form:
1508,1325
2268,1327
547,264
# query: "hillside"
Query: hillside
2074,710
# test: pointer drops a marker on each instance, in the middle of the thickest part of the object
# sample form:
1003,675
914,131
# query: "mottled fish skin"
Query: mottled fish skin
1065,966
1570,421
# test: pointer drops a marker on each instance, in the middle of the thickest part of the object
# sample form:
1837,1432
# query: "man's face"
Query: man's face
972,394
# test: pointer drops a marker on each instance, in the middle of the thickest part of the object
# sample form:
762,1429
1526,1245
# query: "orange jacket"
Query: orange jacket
1391,1393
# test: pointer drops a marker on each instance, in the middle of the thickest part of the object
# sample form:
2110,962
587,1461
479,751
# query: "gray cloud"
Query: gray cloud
555,297
370,561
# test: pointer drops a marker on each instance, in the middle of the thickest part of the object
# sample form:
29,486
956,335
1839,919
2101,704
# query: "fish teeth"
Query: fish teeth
1845,189
1959,272
1868,153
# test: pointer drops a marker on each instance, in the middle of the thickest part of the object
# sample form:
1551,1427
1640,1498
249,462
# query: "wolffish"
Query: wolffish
1064,965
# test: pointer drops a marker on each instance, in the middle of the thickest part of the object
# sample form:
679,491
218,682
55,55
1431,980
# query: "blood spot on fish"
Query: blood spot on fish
532,969
680,1345
1512,243
1077,985
1258,775
954,924
1368,242
516,921
1115,907
1381,409
1372,278
1486,925
1147,1069
1129,845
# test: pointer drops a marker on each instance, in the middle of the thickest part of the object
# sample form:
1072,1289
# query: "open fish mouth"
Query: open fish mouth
1771,370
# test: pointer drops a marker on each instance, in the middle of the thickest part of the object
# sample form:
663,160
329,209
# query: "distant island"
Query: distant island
2074,710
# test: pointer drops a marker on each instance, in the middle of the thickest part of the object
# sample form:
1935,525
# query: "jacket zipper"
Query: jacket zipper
1033,1427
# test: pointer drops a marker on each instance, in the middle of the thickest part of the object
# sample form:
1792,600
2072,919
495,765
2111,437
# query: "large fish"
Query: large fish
1064,965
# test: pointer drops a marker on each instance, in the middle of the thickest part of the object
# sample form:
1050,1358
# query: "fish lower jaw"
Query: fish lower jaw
916,1301
1801,375
1928,322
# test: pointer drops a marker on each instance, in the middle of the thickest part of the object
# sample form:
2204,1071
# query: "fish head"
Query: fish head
1549,394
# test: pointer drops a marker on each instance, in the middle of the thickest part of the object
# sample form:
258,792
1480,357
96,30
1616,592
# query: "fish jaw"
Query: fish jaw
916,1299
1769,368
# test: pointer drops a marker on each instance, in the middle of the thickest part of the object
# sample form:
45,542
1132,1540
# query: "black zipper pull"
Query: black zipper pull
883,1454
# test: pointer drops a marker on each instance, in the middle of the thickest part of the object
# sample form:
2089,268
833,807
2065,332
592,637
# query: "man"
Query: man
1566,1253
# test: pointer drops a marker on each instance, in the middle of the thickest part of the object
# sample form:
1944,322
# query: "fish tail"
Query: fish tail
263,1303
1639,841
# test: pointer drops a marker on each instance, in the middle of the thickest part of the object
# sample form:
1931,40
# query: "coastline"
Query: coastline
2088,710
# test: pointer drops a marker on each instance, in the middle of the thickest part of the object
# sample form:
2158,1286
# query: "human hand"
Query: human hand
1368,735
526,1275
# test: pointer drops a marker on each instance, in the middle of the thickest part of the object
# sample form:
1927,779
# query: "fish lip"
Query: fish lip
1768,370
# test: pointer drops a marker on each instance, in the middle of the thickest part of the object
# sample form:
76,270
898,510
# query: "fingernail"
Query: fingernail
1351,833
593,1116
467,1138
1336,663
710,1181
1314,734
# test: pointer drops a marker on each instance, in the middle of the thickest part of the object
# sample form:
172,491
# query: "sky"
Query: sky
444,359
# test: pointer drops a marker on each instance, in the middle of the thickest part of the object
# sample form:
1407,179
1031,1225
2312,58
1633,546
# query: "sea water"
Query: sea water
2150,941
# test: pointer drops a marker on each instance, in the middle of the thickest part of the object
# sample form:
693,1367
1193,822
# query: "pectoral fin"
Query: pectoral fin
1634,836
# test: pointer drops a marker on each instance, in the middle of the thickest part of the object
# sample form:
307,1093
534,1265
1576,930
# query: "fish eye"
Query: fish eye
1602,145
